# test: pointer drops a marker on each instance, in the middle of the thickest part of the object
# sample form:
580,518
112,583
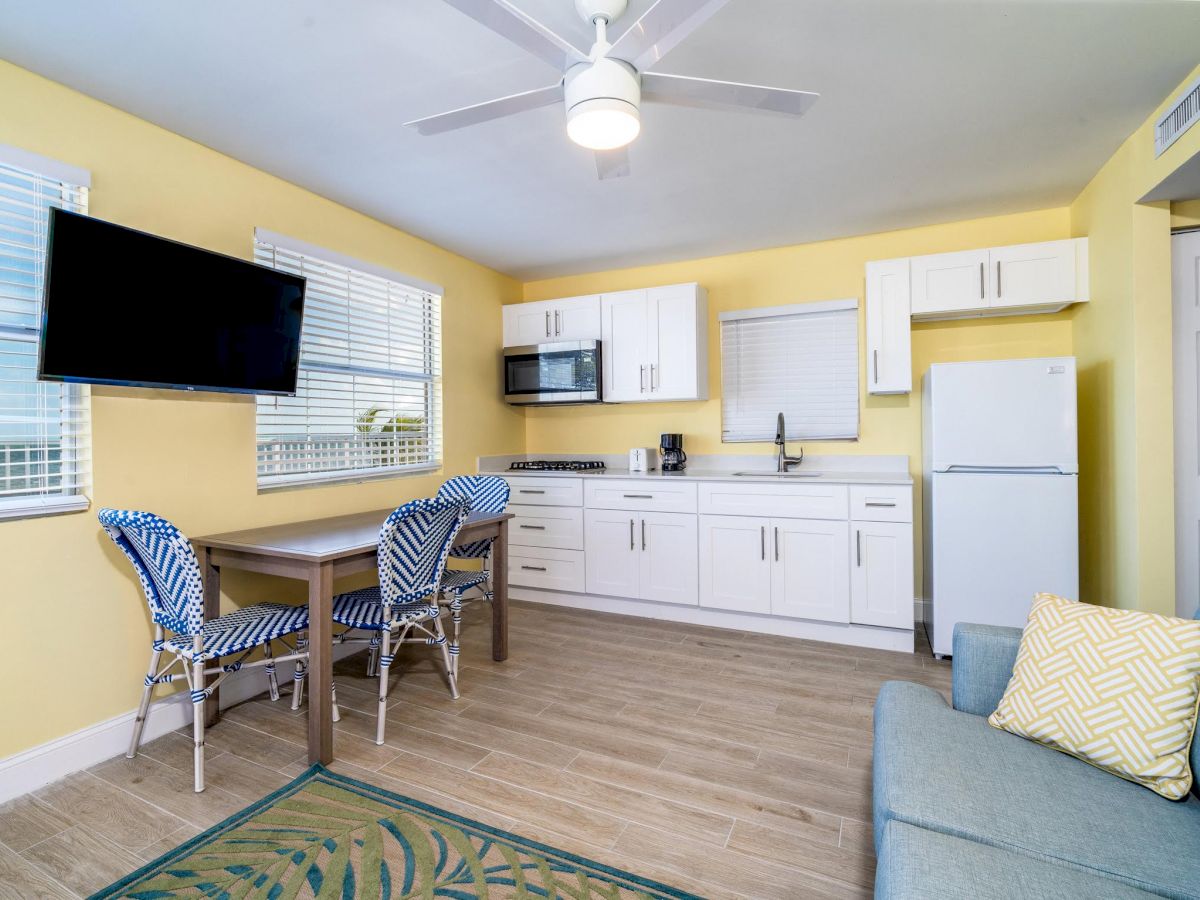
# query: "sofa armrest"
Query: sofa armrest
984,656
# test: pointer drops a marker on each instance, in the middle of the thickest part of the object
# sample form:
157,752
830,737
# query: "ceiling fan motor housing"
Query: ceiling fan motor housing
605,79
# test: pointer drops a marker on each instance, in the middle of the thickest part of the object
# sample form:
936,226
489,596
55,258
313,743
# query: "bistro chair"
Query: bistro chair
166,565
414,542
488,494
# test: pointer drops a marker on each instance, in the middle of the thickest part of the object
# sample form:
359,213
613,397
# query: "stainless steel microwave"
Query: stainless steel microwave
563,372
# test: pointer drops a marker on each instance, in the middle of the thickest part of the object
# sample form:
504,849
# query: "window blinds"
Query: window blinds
44,445
368,399
800,360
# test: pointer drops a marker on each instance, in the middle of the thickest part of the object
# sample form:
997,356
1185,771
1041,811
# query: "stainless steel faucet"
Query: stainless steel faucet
784,460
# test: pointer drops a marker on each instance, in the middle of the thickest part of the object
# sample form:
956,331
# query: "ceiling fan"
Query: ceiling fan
603,89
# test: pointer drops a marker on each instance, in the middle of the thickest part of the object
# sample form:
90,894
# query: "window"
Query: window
368,398
799,360
44,448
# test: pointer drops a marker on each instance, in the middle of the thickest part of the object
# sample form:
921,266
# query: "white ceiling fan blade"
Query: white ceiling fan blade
612,163
524,31
491,109
706,92
660,29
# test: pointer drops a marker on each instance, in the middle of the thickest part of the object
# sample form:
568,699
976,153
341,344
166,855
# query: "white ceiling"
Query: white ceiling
930,111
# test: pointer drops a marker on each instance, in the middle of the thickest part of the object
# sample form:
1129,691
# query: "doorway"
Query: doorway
1185,293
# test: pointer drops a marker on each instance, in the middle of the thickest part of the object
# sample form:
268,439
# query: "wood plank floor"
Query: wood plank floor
728,764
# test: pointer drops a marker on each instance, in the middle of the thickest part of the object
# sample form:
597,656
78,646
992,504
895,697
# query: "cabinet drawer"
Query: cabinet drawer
546,491
796,501
646,495
538,567
881,503
546,526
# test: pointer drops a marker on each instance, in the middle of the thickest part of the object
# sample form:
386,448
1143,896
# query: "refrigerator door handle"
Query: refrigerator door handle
1044,470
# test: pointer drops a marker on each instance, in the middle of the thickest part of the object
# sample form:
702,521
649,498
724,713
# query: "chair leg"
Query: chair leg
337,713
299,676
373,657
385,666
441,642
272,681
144,707
199,697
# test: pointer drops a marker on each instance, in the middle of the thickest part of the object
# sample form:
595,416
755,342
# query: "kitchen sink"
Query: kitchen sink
777,474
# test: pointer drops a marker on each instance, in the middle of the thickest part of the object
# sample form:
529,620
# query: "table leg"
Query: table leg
500,593
212,609
320,663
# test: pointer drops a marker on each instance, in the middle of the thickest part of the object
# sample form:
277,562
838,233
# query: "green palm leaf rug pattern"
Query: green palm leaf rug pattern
326,835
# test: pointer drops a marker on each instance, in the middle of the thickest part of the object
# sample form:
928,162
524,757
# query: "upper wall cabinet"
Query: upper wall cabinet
889,352
570,319
1000,281
654,344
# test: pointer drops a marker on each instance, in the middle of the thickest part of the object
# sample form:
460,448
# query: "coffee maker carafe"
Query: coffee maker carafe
673,457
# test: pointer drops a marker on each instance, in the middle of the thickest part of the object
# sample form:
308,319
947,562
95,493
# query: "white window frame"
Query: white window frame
822,404
70,402
358,449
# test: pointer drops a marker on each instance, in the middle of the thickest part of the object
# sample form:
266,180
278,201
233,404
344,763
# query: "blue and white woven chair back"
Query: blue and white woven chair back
486,493
413,545
165,564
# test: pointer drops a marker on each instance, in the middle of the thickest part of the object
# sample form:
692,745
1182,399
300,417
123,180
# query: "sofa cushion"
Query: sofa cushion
952,772
919,864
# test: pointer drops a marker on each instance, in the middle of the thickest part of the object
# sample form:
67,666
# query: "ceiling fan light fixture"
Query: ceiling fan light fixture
603,124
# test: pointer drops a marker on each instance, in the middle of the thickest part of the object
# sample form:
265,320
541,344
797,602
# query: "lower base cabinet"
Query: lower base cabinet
881,574
641,555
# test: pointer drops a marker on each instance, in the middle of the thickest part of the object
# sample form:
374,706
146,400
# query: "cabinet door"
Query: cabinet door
810,577
889,318
881,574
576,319
623,348
528,323
611,552
950,282
1030,274
668,558
675,322
735,568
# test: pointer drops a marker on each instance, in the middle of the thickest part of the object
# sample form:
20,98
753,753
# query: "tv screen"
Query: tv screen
125,307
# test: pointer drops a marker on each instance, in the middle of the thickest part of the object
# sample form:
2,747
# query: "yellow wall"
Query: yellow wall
1185,214
191,458
799,274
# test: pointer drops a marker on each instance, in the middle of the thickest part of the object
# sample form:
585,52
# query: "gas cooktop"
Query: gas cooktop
558,465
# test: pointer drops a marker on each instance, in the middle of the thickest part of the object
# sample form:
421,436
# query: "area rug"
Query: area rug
326,835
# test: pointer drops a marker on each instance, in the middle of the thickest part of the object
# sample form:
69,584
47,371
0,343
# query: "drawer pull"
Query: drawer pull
529,491
880,503
535,568
638,496
533,527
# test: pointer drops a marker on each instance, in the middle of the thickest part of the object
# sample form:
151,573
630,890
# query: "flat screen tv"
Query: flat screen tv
125,307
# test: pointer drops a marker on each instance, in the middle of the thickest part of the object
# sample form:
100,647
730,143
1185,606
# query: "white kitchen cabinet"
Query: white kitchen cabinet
655,344
1033,274
889,325
950,282
810,578
642,555
550,321
881,574
735,571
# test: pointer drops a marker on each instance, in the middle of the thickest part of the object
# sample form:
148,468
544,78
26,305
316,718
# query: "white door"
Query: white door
1010,414
623,346
1185,284
1028,274
735,569
881,574
668,558
995,541
889,320
577,319
671,342
950,282
611,552
528,323
810,577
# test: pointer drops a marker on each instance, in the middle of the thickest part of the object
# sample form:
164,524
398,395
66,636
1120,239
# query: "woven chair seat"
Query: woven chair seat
364,609
247,627
456,581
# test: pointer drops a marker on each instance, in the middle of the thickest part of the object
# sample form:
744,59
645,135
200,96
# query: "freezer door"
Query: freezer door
995,541
1003,415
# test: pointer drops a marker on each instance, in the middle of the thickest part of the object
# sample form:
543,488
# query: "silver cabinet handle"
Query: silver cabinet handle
643,534
981,277
762,540
776,543
857,547
529,491
547,323
642,379
556,325
875,357
534,568
879,503
533,527
632,546
999,285
652,385
638,496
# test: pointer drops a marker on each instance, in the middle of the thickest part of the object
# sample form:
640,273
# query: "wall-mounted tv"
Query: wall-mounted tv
128,308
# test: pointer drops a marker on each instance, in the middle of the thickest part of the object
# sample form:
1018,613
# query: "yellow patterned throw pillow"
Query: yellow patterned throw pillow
1116,688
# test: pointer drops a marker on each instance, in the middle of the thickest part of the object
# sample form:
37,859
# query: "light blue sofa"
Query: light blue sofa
963,810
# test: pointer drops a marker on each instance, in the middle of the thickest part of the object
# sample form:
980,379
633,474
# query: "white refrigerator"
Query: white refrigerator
1001,517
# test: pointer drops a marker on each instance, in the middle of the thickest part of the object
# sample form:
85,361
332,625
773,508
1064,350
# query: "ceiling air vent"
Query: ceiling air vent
1178,119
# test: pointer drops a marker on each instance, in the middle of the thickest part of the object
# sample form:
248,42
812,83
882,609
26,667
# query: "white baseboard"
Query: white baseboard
898,639
38,766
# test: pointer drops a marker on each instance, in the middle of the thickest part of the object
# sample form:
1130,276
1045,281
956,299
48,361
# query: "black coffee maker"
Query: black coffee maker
673,457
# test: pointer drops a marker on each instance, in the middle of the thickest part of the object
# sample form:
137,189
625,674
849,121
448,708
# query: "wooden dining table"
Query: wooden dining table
317,552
